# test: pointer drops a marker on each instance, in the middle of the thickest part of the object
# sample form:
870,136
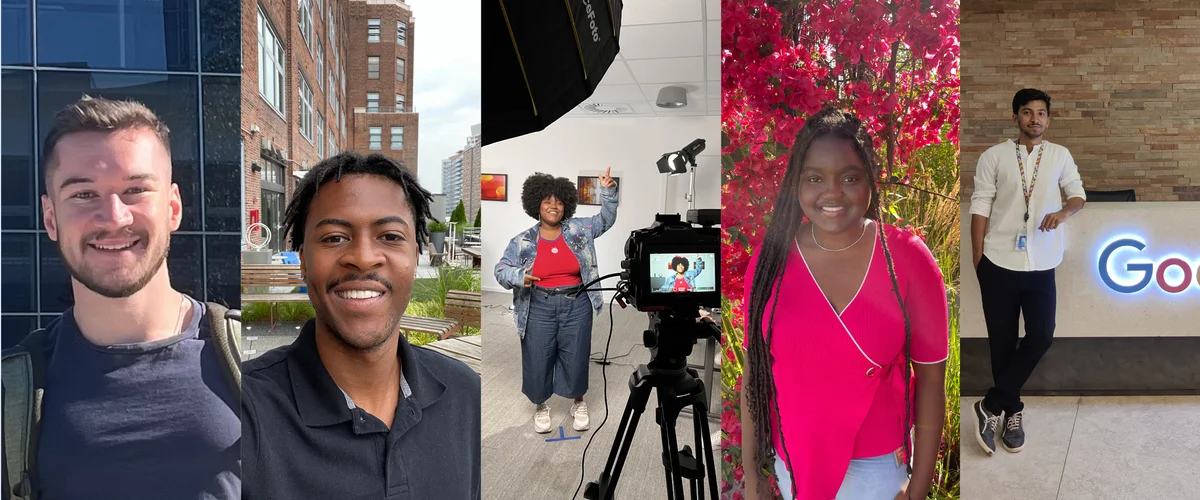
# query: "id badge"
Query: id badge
1022,240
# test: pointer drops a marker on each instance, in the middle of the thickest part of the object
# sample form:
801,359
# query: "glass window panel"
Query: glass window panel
221,36
18,273
16,328
126,34
224,269
16,27
222,154
19,205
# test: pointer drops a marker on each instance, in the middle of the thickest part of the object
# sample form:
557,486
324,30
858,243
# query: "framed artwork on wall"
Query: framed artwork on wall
493,187
589,189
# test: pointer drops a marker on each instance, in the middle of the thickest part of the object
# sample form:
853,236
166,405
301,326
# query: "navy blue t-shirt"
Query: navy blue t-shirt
150,420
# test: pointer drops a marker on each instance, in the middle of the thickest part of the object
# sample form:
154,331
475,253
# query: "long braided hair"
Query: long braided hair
761,396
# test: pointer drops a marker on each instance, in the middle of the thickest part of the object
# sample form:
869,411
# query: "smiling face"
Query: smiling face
111,207
359,258
1032,119
835,185
551,211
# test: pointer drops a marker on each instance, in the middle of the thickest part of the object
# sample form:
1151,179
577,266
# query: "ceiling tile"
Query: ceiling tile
642,107
617,74
694,108
712,68
714,107
712,9
663,40
683,69
617,93
713,44
661,11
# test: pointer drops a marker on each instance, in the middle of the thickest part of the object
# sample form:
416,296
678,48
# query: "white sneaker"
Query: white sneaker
541,419
579,411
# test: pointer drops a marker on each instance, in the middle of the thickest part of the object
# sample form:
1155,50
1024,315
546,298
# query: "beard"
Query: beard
125,282
1029,132
361,341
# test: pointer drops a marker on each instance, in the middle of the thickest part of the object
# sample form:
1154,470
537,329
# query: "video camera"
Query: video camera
673,264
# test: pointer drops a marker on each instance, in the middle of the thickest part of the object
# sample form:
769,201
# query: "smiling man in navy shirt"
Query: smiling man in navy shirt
350,410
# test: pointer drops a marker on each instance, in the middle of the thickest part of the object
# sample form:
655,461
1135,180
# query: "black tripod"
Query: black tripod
670,339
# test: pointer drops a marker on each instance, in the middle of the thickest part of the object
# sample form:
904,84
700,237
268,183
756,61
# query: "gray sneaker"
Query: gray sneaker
1013,435
985,427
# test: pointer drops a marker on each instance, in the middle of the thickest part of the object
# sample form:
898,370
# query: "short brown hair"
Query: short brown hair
97,114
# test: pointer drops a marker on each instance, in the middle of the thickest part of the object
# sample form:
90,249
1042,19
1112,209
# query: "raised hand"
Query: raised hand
606,179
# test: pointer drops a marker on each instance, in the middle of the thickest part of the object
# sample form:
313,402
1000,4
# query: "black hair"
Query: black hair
540,186
761,394
351,163
1026,96
680,260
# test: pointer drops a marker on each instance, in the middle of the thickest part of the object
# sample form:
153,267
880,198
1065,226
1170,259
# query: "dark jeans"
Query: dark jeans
556,347
1008,295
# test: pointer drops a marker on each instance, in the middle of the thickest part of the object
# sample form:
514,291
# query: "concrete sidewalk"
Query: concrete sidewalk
1091,448
519,463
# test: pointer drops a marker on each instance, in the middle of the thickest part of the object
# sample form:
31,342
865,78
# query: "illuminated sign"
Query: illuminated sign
1172,273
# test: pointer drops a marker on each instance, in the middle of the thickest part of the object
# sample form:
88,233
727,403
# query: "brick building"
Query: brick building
1124,83
309,68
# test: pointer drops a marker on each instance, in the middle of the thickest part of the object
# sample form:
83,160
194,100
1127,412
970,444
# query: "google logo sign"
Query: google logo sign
1179,281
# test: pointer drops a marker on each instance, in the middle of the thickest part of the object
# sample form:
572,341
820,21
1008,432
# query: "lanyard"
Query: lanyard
1027,190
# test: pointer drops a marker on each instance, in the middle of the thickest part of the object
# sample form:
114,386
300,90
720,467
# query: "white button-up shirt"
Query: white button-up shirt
999,197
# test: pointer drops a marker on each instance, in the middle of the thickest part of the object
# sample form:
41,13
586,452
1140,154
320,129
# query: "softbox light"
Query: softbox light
541,58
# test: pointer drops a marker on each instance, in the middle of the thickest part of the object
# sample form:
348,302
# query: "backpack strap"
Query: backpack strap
226,327
22,371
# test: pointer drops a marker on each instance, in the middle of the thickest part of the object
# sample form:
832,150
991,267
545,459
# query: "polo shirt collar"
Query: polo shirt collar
319,400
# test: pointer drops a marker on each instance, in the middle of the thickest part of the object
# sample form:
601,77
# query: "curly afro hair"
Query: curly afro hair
540,186
680,260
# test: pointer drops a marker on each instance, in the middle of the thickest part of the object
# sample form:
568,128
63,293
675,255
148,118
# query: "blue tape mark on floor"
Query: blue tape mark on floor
561,436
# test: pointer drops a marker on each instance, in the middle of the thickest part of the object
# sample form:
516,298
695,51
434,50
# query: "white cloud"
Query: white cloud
448,87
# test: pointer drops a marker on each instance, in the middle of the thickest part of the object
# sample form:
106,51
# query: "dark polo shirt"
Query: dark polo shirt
302,437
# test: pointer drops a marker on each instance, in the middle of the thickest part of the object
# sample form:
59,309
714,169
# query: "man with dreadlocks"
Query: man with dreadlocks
829,396
350,409
545,266
1014,263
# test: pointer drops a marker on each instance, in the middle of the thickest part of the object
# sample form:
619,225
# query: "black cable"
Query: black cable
609,360
604,376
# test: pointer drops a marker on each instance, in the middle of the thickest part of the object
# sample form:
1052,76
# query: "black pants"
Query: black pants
1007,295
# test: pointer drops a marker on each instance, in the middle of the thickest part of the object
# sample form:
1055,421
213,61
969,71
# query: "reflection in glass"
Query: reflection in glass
118,34
19,204
16,27
224,269
55,286
221,36
172,97
18,273
185,264
222,154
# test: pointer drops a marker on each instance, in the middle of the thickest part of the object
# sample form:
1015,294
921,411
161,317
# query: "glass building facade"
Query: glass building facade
182,58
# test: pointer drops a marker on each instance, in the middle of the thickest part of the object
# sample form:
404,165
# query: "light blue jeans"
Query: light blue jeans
876,478
556,347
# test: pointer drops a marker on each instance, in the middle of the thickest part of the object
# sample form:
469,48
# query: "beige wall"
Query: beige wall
1086,306
1124,84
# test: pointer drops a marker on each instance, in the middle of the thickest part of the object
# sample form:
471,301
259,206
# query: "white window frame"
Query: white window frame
373,29
402,33
319,140
375,71
305,94
320,63
397,145
333,150
375,138
374,109
272,76
400,69
304,19
399,103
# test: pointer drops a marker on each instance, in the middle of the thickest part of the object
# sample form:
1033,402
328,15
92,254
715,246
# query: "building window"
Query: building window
320,140
399,69
401,32
332,144
397,137
373,30
399,103
306,109
332,31
373,67
271,82
305,19
331,94
376,138
342,121
320,63
373,102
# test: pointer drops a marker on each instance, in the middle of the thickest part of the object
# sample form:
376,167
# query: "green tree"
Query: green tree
460,216
478,213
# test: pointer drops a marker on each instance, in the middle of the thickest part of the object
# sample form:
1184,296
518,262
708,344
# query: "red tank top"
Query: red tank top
555,264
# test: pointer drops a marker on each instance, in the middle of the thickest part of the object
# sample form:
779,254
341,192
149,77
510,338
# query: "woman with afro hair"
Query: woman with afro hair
544,266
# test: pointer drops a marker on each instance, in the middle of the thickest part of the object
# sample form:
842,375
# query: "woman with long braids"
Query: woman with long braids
545,266
843,315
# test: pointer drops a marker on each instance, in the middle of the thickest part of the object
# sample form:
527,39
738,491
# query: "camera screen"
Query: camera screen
683,273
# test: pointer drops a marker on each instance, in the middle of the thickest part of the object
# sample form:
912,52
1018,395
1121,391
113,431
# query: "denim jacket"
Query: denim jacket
579,233
689,276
